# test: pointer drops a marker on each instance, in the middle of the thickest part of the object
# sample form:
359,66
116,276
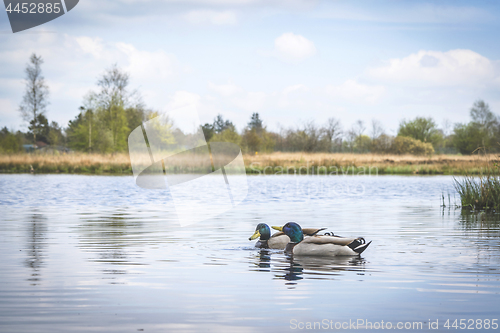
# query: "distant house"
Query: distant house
45,148
41,144
29,148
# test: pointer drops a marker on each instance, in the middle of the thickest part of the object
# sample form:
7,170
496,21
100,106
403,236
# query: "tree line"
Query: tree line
108,115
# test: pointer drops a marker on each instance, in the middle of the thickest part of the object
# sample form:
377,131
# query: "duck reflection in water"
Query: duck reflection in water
291,272
294,269
262,261
321,268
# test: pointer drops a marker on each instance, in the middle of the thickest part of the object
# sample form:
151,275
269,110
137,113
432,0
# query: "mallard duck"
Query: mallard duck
277,241
323,245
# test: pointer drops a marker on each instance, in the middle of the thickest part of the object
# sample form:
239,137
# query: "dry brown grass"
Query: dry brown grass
447,164
389,164
69,159
78,162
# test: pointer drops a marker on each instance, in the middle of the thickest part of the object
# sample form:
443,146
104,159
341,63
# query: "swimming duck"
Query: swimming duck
323,245
277,241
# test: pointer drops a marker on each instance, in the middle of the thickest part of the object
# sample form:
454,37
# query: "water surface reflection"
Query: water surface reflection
108,260
36,243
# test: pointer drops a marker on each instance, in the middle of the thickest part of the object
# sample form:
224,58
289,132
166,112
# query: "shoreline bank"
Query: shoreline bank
274,163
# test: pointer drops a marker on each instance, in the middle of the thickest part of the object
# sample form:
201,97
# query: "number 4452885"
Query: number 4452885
33,8
472,324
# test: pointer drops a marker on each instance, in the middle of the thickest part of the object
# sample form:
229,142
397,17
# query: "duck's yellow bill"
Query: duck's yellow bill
277,228
255,235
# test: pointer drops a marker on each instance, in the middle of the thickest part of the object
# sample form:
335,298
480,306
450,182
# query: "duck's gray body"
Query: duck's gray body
327,246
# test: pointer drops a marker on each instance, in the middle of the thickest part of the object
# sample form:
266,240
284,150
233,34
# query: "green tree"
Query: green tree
362,144
107,117
483,131
35,97
39,129
255,123
208,131
221,125
255,137
56,136
227,135
468,137
407,145
481,114
382,144
423,129
9,142
486,121
112,100
78,132
252,141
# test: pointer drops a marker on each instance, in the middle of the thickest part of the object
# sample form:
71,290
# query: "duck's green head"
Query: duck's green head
263,231
293,231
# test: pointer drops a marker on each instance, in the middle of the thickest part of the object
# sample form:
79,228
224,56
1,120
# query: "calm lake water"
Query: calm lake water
99,254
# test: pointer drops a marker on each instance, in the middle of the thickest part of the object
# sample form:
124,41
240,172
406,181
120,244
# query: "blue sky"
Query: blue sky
291,61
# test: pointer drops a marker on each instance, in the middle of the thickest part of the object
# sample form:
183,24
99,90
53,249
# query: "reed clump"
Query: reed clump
481,192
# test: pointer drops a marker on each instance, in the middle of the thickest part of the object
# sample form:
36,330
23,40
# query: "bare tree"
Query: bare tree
351,136
377,129
113,85
358,128
332,130
36,94
446,125
113,100
309,136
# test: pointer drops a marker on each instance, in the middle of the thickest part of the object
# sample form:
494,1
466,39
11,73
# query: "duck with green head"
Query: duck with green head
277,241
322,245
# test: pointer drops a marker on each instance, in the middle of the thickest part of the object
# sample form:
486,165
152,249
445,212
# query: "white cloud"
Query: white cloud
226,17
291,95
144,65
8,113
451,68
356,92
72,65
182,99
406,13
94,46
229,89
183,110
293,48
252,101
294,88
237,96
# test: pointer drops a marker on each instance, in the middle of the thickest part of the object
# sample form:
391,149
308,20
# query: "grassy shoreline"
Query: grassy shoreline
274,163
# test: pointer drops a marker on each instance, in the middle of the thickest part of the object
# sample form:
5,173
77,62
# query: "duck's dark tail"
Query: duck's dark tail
359,245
